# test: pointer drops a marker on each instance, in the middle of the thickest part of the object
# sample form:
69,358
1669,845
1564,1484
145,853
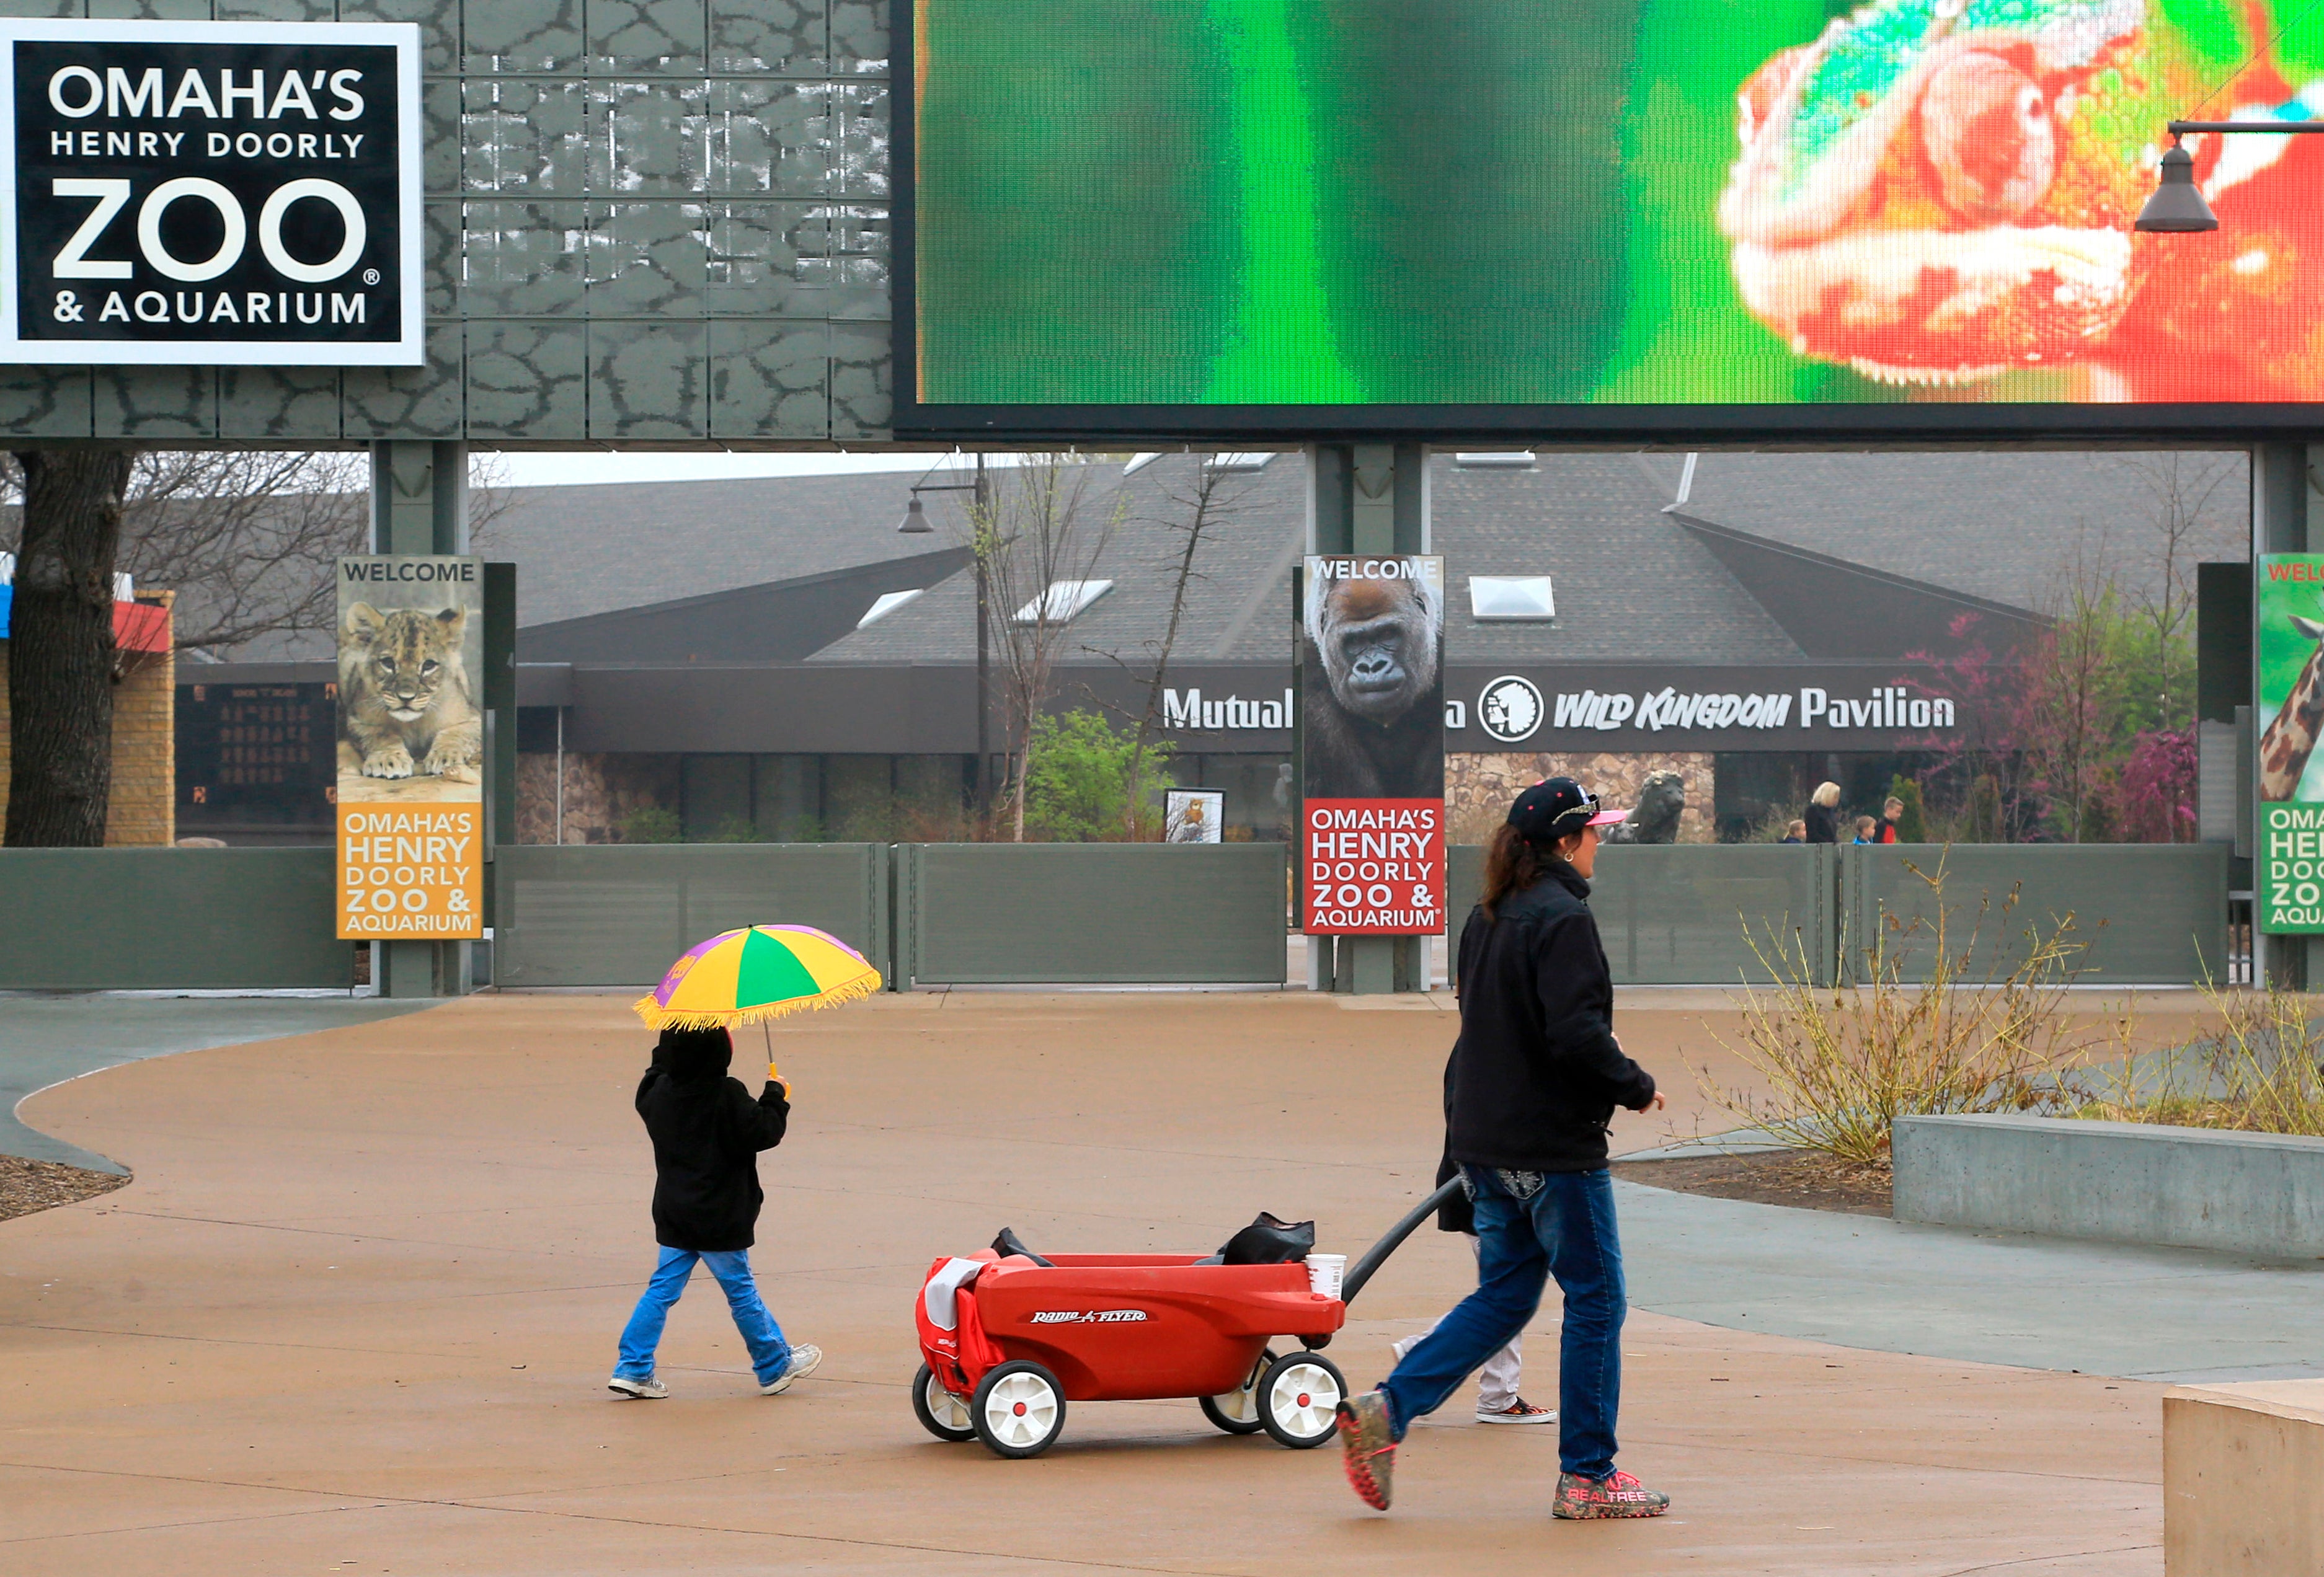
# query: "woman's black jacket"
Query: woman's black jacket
1823,823
1536,1073
707,1133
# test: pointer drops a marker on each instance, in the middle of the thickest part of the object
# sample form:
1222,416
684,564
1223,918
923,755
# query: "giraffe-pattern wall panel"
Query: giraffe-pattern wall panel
647,221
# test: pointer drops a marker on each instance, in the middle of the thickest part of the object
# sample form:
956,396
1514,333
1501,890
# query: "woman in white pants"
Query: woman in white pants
1498,1401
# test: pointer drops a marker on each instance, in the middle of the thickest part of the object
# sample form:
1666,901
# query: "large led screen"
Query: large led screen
1242,204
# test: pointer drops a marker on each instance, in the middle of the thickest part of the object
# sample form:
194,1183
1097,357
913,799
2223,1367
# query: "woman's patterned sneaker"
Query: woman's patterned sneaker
1368,1448
1518,1412
1618,1494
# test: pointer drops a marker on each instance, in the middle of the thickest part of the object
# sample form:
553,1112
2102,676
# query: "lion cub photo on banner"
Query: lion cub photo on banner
411,786
410,645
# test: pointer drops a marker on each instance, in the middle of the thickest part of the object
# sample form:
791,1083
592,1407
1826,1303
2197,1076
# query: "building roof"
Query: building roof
2005,525
1730,564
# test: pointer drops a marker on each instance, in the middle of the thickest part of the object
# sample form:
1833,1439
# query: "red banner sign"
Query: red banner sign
1374,867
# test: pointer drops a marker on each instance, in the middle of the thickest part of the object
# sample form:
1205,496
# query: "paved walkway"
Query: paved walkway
47,1039
355,1312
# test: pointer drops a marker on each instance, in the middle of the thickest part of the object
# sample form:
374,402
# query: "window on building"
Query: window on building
1254,460
887,604
1509,598
1063,601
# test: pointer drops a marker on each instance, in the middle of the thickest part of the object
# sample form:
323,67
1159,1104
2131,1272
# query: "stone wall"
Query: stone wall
1478,788
600,793
145,804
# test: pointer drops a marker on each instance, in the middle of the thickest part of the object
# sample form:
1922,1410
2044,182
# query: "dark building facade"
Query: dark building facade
774,661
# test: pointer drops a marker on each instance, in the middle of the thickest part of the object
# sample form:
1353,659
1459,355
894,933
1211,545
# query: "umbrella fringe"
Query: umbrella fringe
657,1016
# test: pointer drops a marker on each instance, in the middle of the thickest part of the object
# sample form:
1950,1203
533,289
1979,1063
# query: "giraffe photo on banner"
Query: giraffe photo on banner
2290,866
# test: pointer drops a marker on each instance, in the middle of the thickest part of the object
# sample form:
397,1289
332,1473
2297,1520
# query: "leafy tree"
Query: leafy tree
1086,781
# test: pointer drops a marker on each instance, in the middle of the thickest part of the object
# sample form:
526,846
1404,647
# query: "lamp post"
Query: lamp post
915,523
2177,207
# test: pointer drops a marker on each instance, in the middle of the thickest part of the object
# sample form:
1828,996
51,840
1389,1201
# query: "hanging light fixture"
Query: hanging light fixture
916,514
2177,207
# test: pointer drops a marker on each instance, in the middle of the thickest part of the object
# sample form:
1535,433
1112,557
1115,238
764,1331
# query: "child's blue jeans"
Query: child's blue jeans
770,1355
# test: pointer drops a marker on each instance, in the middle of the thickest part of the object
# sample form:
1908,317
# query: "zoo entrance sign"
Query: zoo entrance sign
210,193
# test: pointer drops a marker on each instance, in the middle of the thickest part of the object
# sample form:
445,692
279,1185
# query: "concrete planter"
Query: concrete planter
2124,1182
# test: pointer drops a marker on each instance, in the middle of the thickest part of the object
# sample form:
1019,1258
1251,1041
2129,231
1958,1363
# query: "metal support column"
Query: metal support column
419,504
1368,498
2287,517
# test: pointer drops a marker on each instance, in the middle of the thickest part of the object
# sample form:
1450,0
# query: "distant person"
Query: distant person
707,1133
1796,832
1536,1075
1892,814
1823,814
1867,830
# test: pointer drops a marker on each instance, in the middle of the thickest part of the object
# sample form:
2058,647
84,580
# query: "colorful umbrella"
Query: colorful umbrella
756,974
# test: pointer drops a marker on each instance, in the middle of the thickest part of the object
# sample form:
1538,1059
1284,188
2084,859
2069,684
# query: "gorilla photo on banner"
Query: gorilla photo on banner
1372,691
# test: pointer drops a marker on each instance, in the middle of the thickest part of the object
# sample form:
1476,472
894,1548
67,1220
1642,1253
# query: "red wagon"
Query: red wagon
1007,1341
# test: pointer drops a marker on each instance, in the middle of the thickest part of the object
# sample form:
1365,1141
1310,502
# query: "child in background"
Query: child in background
1796,833
1864,825
707,1133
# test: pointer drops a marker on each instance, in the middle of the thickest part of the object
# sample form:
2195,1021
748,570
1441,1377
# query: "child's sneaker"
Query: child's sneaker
806,1360
1520,1411
649,1389
1368,1448
1582,1499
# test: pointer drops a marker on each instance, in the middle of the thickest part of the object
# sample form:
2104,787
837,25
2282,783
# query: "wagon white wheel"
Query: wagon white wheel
942,1413
1237,1411
1298,1396
1018,1410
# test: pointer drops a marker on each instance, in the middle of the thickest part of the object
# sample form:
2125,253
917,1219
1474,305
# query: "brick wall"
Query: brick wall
144,806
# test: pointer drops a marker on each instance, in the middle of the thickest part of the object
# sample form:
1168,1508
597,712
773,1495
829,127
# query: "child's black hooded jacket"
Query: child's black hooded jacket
707,1133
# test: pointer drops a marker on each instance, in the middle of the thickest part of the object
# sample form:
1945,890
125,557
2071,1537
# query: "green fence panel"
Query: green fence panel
160,920
2150,914
617,915
1687,914
1690,914
1063,914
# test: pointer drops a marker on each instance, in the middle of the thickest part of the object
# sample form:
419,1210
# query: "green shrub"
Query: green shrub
1078,783
650,824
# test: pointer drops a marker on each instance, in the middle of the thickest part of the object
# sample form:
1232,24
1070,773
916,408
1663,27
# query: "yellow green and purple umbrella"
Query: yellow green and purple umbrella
756,974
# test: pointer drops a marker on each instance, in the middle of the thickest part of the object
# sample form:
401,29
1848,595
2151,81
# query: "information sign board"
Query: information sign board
411,748
210,193
1371,722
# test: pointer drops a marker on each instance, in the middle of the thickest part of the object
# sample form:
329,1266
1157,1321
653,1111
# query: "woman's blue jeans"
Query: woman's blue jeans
1527,1231
770,1355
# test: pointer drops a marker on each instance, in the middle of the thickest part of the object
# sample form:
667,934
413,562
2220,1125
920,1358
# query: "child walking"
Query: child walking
707,1133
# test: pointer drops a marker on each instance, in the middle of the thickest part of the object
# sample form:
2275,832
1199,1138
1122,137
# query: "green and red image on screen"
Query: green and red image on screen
1616,202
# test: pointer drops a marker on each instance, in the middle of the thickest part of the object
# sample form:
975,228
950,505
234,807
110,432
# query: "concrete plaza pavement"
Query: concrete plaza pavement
48,1038
357,1310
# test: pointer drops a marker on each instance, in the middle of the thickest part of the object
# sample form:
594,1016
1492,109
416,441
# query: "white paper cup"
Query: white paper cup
1324,1273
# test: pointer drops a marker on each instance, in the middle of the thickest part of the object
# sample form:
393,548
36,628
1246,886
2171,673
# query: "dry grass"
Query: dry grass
2259,1072
1842,1063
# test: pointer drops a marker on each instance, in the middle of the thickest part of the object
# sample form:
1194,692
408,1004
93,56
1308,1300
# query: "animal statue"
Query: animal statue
2290,737
1655,818
1373,690
403,692
1936,191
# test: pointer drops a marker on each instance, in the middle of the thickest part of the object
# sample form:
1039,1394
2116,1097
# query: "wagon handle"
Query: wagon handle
1376,1255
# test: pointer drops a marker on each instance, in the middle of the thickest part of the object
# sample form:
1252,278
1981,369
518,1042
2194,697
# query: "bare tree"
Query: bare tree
2182,495
1038,540
247,538
1195,511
